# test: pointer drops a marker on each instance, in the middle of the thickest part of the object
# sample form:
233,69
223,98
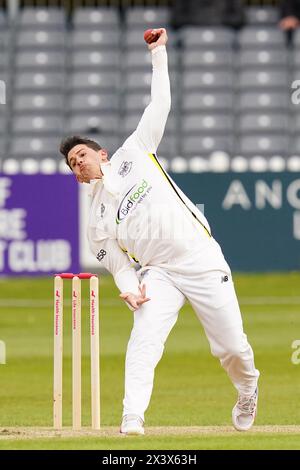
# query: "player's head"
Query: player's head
83,156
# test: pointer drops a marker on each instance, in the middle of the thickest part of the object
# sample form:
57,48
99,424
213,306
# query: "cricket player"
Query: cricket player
139,213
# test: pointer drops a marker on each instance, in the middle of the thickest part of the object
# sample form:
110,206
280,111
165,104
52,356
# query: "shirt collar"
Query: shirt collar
96,183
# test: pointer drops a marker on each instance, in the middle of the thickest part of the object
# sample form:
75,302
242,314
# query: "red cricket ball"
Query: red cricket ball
150,36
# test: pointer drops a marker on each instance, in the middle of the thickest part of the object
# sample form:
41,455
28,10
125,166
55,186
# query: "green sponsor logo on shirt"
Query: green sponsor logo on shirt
131,198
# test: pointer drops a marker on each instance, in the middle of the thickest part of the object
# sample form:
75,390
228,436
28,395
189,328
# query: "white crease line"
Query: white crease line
19,303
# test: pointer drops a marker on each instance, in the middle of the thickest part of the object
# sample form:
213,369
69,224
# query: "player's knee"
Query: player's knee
231,345
145,344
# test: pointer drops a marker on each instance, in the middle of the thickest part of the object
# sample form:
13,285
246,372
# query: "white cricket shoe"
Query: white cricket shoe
244,411
132,425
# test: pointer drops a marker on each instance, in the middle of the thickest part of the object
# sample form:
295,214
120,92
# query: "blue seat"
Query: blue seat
4,91
38,102
40,38
141,59
100,18
2,147
52,18
207,58
264,100
264,78
131,120
95,58
263,57
263,144
168,146
295,58
37,124
110,142
262,15
207,101
263,122
207,37
261,36
295,122
204,145
295,145
94,123
40,60
93,101
84,81
3,19
208,123
137,80
4,62
2,124
136,101
212,79
150,17
39,147
296,37
36,82
94,38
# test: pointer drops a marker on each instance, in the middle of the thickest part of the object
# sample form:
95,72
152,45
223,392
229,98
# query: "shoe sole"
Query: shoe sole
133,432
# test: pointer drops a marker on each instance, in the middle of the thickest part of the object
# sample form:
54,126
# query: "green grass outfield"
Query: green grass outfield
191,389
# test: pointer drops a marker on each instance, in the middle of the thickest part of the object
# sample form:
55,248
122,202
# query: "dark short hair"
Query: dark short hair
69,142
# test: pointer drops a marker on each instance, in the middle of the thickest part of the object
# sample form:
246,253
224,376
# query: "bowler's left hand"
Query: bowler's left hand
135,300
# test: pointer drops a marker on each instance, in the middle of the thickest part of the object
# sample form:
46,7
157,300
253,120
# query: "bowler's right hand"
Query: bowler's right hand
162,40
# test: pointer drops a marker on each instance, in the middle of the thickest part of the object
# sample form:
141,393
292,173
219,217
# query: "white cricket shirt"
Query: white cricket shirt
137,211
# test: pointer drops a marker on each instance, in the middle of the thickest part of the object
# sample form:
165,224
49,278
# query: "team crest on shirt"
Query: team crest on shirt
125,168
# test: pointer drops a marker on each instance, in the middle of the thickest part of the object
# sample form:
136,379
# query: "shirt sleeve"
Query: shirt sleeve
112,258
151,127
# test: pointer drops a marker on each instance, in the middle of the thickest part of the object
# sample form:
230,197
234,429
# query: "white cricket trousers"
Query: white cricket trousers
213,298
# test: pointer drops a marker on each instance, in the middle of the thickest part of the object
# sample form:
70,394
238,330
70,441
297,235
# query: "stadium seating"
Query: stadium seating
41,18
262,15
38,103
91,102
147,17
264,36
263,99
200,37
96,38
100,18
207,101
91,74
263,58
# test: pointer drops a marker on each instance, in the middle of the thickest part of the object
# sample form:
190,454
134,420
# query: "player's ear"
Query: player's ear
103,155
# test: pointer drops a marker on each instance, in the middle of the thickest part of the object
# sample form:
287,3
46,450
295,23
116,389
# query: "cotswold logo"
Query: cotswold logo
125,168
135,195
